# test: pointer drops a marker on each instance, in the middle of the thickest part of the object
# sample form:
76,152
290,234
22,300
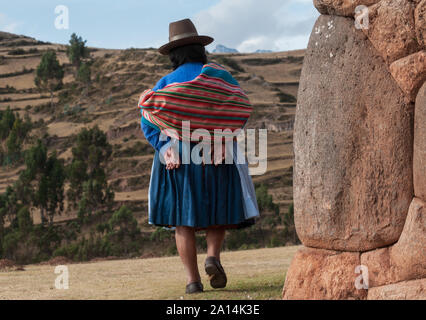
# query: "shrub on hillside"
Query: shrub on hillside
137,149
20,51
119,236
161,234
261,62
17,73
264,200
285,97
230,63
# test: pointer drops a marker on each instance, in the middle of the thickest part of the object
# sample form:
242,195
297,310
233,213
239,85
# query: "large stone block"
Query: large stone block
420,23
380,270
408,255
341,7
406,290
410,73
419,162
392,30
352,143
406,259
317,274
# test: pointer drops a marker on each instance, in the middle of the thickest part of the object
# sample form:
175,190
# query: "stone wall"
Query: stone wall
360,154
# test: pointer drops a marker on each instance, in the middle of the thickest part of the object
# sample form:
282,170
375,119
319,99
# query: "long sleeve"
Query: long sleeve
151,134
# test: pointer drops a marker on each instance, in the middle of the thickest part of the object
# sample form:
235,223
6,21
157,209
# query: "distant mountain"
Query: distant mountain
263,51
222,49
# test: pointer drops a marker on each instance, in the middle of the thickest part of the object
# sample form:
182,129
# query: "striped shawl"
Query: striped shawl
213,100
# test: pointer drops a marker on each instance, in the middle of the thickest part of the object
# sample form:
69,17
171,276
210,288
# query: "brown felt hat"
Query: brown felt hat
181,33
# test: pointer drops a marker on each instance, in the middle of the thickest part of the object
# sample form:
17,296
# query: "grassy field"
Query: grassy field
252,274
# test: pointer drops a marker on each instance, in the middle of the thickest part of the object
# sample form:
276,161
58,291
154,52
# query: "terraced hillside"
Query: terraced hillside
118,78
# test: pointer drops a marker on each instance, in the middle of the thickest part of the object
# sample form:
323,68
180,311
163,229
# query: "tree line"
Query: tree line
40,187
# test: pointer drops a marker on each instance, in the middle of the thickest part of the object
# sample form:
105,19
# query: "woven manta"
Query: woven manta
213,100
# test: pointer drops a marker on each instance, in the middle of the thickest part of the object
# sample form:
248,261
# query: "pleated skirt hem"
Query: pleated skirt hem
196,196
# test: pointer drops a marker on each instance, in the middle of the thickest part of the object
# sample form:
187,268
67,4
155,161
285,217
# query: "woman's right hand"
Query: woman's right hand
216,158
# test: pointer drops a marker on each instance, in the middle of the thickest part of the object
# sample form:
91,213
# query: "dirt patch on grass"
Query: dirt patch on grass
6,264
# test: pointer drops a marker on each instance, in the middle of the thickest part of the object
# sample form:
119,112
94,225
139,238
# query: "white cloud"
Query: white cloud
8,25
248,25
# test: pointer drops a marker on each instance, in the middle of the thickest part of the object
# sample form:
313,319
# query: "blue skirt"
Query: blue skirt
196,196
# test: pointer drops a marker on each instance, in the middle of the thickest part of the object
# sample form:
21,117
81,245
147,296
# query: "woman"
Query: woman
192,197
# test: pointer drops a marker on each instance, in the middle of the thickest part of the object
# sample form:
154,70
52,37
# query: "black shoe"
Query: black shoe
194,287
215,272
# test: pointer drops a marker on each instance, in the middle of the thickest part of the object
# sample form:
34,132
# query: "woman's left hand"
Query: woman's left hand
172,159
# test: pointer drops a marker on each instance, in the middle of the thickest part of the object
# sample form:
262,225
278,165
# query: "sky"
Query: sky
246,25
